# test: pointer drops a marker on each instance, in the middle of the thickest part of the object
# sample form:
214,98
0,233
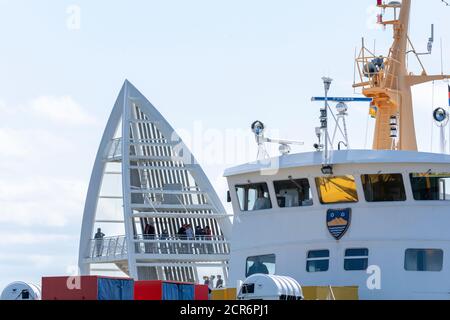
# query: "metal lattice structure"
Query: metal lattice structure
161,184
387,80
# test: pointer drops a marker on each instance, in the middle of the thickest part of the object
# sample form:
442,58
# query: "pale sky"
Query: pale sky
211,68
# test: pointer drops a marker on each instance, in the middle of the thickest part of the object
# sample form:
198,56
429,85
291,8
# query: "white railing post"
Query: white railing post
115,246
124,246
109,247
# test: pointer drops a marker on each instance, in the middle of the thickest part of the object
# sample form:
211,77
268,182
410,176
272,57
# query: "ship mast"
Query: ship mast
389,83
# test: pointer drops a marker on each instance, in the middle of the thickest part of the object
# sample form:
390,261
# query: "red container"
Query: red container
153,290
148,290
201,292
86,288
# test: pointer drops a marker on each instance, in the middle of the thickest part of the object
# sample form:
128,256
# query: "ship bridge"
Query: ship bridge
145,187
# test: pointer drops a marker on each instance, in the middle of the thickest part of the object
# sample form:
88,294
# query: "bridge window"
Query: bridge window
293,193
318,261
383,187
254,197
337,189
356,259
260,265
424,260
428,186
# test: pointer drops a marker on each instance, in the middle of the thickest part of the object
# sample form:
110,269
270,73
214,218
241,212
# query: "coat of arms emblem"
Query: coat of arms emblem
338,222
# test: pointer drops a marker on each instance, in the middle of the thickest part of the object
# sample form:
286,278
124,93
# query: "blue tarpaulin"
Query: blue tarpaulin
170,291
186,292
178,291
115,289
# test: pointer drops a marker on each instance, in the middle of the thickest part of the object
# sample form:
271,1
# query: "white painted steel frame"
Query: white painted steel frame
122,113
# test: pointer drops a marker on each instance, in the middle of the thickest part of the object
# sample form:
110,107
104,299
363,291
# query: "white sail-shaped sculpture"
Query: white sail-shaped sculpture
162,185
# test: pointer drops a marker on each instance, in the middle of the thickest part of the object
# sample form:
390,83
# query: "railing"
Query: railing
198,245
150,244
115,149
108,247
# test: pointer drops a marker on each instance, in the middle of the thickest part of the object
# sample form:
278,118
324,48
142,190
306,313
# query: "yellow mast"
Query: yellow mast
390,84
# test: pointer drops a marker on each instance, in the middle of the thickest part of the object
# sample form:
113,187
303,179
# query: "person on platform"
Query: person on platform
190,237
207,235
258,268
182,236
211,283
206,280
219,282
149,234
99,242
199,237
165,248
262,202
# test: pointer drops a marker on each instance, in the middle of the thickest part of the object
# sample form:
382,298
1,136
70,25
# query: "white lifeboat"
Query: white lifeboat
21,291
270,287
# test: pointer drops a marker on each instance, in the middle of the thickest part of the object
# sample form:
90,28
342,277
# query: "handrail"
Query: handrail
115,149
108,247
178,239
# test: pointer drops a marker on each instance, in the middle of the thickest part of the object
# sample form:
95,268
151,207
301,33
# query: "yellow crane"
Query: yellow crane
387,81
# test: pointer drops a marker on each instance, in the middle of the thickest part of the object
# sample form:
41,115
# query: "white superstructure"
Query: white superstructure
375,219
395,244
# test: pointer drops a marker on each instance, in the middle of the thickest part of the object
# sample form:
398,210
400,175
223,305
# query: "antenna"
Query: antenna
354,72
341,108
431,40
442,59
324,115
429,45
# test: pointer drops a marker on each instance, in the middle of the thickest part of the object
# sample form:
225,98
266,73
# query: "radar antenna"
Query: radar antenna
339,119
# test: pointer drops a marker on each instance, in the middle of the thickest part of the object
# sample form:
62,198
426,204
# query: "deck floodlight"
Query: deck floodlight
441,116
284,145
327,170
258,128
